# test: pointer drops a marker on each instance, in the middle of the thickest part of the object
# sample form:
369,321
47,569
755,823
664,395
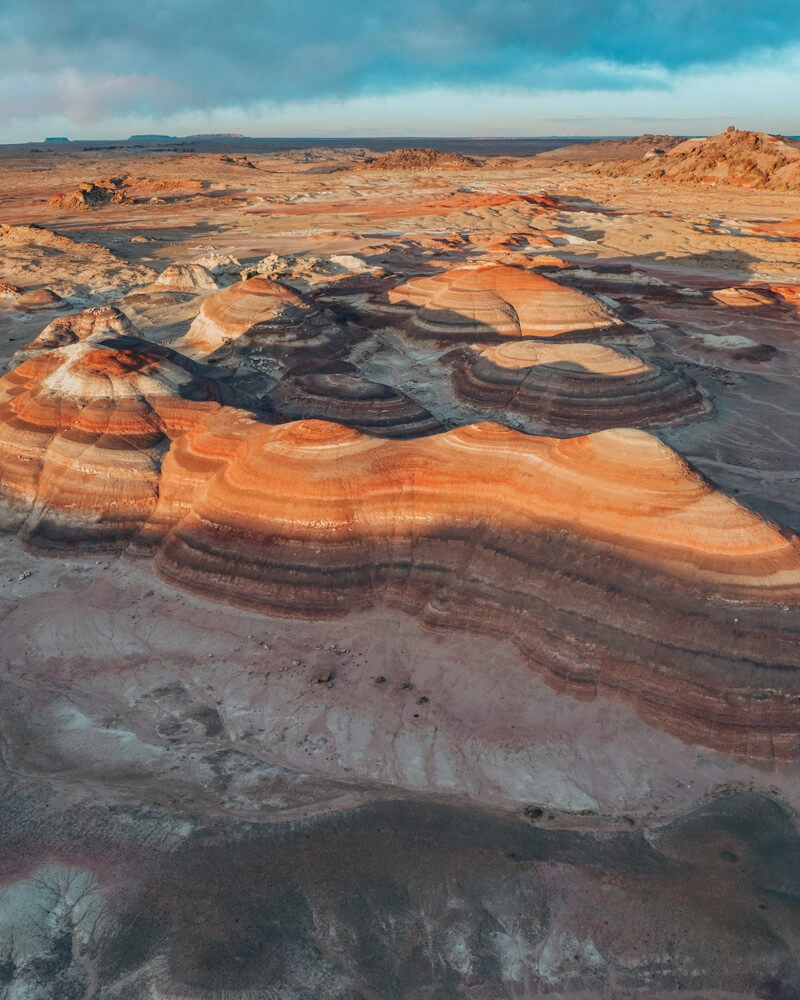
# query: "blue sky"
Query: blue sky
101,68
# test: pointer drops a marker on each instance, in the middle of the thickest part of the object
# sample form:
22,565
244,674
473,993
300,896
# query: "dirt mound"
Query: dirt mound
737,158
90,195
413,158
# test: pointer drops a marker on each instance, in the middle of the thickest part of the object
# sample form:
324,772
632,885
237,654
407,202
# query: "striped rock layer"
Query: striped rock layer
78,326
476,301
605,559
574,388
370,407
261,315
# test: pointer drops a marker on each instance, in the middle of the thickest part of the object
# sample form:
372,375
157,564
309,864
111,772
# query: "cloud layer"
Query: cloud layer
159,56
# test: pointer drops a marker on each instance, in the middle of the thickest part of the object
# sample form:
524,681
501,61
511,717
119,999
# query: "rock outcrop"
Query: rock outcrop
611,565
735,157
39,300
90,195
414,158
475,301
79,326
83,429
370,407
257,316
574,388
192,278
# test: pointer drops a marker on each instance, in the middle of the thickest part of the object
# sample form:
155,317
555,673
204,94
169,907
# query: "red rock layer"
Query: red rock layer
575,388
260,314
370,407
477,301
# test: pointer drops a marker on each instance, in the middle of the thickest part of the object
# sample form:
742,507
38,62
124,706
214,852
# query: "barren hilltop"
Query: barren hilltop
734,157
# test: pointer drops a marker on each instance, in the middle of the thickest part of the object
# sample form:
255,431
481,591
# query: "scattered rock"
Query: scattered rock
90,195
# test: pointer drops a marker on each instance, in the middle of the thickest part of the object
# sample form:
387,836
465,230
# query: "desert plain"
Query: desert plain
399,570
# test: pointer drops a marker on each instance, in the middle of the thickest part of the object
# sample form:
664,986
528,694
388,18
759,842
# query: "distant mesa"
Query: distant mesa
57,138
414,158
216,135
260,316
474,301
569,388
370,407
156,137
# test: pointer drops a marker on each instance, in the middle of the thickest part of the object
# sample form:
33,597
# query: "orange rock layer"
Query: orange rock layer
596,556
78,326
477,301
83,430
257,314
605,559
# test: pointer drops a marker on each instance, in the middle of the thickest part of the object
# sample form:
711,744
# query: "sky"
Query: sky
106,69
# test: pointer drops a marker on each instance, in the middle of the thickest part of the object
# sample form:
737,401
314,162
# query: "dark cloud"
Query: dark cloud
209,52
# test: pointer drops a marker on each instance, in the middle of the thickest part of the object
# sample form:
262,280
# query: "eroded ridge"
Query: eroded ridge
609,562
474,301
574,388
371,407
83,429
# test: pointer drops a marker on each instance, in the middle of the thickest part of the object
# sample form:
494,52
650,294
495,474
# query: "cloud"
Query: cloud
80,98
160,55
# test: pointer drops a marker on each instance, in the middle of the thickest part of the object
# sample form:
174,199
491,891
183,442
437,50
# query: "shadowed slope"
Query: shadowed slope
261,314
575,388
370,407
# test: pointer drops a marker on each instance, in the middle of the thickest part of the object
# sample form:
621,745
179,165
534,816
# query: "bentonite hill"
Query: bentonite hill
399,572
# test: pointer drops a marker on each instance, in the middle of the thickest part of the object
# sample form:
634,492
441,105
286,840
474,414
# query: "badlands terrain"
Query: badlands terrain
399,571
